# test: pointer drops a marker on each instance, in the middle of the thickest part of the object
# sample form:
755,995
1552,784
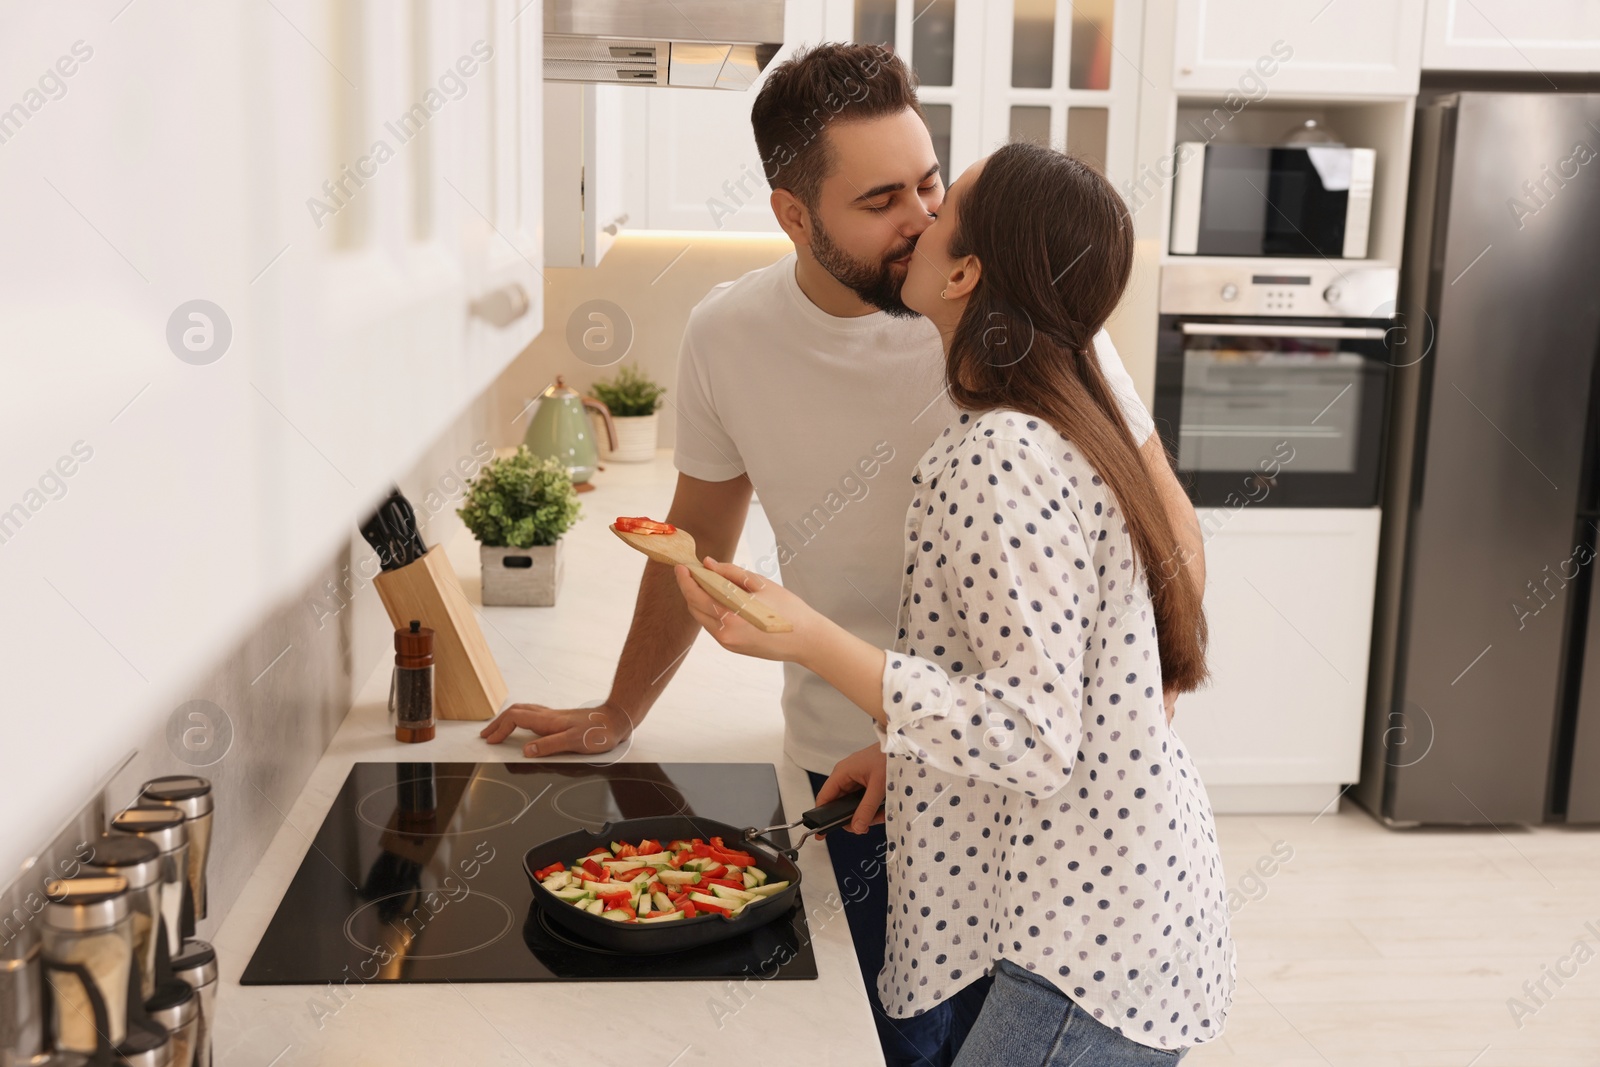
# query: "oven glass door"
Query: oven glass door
1261,201
1274,412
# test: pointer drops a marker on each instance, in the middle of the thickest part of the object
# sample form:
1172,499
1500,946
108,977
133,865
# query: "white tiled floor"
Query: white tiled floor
1384,948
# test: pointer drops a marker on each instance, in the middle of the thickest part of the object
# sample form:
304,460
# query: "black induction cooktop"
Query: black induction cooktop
416,876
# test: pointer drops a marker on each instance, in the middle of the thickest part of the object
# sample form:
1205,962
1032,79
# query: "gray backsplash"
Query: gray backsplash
281,693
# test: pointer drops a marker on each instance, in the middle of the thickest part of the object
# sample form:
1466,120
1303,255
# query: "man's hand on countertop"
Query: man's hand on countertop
596,729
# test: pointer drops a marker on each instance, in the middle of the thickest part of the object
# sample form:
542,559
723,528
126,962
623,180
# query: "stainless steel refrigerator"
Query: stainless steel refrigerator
1484,698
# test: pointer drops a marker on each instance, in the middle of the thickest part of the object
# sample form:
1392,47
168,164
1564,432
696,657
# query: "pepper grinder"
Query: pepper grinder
411,689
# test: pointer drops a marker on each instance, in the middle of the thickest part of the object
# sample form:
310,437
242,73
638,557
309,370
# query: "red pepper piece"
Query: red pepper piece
640,524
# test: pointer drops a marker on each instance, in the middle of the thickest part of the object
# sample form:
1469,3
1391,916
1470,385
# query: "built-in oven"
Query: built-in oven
1272,200
1272,389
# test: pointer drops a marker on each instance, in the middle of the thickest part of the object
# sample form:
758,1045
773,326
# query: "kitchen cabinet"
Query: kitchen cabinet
1504,35
1049,70
1062,73
1278,726
250,291
1325,47
583,172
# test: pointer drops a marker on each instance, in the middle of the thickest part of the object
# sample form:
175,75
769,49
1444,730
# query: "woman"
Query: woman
1044,819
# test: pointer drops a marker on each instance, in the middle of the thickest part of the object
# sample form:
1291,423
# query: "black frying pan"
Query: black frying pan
681,934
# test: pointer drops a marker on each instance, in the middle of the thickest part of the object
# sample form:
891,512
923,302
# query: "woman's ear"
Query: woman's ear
792,216
962,279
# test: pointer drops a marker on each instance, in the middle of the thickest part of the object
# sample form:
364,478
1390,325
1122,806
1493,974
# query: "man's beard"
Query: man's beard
875,283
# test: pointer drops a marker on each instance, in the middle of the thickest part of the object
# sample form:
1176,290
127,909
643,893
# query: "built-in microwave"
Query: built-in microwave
1272,200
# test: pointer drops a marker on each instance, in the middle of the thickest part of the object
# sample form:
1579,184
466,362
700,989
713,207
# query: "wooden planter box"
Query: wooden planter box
521,577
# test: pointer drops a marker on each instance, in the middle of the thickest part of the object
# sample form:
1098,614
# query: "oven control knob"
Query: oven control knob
1230,292
1332,294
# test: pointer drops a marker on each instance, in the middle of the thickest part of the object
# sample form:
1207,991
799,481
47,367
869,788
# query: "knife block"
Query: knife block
467,683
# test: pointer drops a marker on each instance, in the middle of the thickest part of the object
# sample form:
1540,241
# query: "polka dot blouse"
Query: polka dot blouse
1039,807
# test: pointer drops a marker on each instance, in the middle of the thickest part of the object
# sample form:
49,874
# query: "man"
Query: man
811,382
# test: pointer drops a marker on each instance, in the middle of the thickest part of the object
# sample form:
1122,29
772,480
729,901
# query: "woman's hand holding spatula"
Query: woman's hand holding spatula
749,615
676,547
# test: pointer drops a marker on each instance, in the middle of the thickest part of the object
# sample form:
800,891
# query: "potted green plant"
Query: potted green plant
518,507
634,400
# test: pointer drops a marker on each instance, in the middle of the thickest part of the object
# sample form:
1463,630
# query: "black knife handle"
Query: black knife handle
833,814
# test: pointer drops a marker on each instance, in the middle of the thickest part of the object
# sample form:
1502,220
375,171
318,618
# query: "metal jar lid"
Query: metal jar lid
134,858
145,1048
164,826
175,1006
186,792
83,905
196,963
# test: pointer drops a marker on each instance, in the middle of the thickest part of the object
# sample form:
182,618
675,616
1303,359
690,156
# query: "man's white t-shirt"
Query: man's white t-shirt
829,417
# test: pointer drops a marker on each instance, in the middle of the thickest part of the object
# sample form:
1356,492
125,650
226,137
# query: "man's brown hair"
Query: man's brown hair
813,88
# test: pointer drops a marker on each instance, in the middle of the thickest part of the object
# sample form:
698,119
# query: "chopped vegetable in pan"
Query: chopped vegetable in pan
646,883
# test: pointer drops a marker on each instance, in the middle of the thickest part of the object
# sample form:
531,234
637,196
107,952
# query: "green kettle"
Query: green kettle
560,429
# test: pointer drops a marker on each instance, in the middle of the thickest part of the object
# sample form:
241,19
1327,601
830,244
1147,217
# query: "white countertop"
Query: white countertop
719,708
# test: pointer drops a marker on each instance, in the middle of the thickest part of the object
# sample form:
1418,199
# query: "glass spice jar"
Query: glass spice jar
192,796
87,943
138,861
165,827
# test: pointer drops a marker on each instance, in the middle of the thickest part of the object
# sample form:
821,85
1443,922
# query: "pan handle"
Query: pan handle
820,819
833,814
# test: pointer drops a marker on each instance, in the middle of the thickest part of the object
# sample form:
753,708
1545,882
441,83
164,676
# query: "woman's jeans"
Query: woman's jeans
1027,1022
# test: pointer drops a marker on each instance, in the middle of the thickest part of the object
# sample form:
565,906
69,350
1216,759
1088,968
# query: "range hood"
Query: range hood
697,44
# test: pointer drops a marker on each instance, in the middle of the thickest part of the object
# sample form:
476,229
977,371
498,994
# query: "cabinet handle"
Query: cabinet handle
616,225
501,307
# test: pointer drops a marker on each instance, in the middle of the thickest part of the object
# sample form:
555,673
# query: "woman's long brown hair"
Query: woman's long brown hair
1055,245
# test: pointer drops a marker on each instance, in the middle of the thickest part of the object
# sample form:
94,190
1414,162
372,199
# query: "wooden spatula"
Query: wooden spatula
678,547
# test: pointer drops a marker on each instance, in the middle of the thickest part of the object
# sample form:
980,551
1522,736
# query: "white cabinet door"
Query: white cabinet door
943,40
1289,601
1514,35
1332,47
584,171
503,236
338,181
1063,73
